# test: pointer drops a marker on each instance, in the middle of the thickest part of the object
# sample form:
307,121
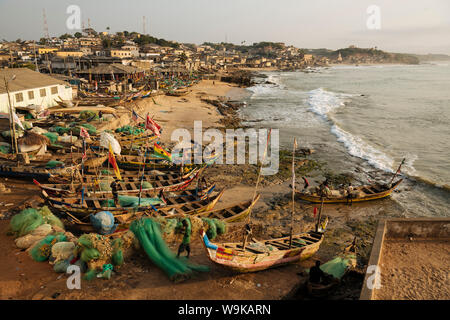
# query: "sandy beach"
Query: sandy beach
138,278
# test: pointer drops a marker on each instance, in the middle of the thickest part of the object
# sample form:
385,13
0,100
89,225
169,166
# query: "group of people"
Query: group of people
324,190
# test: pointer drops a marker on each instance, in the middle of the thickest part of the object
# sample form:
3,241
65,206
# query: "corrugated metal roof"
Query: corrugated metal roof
25,79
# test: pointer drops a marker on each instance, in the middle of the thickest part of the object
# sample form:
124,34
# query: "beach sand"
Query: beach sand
138,278
414,270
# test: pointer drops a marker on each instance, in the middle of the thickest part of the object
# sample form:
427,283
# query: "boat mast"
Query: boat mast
247,227
293,192
398,170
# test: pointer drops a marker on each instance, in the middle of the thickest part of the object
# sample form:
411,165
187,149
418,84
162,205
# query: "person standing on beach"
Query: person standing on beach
186,240
114,192
349,194
316,274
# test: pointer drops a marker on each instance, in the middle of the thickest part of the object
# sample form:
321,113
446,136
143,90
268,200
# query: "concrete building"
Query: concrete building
30,87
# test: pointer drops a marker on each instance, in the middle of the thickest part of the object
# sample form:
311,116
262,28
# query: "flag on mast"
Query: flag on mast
152,125
159,151
112,161
84,133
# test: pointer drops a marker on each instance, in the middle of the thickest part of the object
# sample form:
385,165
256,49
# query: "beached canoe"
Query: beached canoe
361,193
233,215
41,170
264,254
128,184
82,207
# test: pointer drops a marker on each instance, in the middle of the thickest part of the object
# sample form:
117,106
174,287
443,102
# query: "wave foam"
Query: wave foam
323,102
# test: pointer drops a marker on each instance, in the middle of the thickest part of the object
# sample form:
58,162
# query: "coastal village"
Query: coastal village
88,179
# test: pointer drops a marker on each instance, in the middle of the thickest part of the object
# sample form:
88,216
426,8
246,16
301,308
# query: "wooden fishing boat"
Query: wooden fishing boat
92,174
128,184
41,170
233,215
82,207
323,289
177,93
135,162
361,193
261,255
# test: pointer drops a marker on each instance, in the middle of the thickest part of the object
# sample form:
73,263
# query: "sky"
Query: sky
410,26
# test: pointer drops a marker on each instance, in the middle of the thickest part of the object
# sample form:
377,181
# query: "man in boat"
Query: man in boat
305,187
186,239
316,274
349,194
114,192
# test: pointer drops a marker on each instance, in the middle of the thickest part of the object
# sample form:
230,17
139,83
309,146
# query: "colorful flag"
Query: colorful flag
135,116
315,211
17,120
113,162
84,133
158,150
152,125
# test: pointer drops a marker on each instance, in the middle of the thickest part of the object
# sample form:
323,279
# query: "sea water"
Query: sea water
364,120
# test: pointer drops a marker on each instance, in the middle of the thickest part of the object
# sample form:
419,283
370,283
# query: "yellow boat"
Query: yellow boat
364,193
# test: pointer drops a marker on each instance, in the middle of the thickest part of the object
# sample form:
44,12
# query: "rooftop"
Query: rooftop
25,79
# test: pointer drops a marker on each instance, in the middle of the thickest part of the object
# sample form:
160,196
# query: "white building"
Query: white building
30,87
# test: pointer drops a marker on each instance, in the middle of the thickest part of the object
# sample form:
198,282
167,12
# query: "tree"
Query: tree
106,43
126,33
183,57
78,35
65,36
42,41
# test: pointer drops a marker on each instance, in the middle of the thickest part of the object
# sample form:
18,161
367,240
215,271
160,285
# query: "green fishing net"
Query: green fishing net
43,249
87,114
52,164
130,130
148,233
29,219
52,136
131,202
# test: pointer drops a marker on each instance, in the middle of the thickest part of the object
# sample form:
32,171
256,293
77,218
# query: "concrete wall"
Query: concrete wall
420,228
65,92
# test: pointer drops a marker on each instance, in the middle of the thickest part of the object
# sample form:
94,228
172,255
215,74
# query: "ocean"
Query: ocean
364,120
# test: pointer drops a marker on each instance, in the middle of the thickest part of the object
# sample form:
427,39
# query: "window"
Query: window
19,97
30,95
54,90
42,93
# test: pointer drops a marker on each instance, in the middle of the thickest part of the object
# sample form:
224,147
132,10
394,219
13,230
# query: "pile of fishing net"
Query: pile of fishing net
338,266
53,164
101,254
29,219
5,147
53,137
132,202
38,231
130,130
74,128
8,133
88,114
148,232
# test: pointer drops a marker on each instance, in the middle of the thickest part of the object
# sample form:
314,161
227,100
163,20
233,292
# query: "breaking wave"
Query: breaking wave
323,102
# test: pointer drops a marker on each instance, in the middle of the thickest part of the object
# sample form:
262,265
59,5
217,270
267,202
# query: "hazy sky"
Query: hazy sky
417,26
